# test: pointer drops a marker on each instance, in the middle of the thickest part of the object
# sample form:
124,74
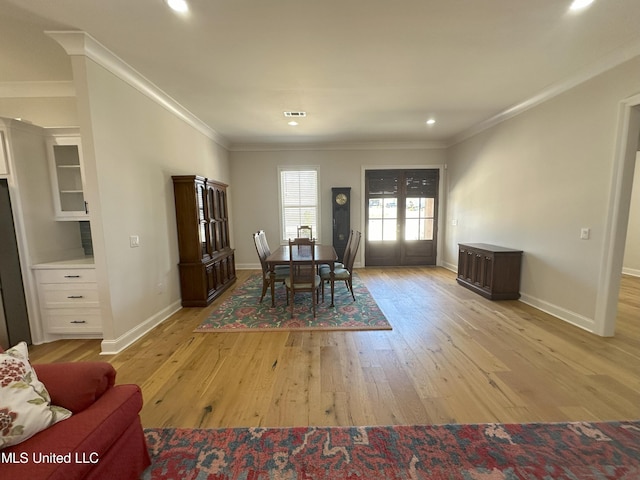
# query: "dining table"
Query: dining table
323,255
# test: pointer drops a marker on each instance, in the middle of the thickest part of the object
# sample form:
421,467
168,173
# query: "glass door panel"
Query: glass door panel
383,219
202,219
401,217
419,215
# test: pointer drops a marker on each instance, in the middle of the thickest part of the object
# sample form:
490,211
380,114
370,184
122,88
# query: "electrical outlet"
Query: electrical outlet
585,233
134,241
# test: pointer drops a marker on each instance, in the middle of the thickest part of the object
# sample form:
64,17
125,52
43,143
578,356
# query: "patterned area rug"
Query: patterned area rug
563,451
241,311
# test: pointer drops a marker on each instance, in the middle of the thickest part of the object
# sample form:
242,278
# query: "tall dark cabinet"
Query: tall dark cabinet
207,264
341,201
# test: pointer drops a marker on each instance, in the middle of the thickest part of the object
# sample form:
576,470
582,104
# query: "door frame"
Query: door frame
617,219
442,168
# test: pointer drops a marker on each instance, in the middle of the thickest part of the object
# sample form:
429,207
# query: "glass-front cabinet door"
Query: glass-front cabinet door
203,223
67,178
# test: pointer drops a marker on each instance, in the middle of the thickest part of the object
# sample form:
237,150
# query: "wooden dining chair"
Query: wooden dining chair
281,272
305,231
345,255
267,251
347,252
346,272
262,237
303,277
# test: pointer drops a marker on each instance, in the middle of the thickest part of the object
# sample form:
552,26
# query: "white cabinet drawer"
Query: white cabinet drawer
75,320
66,275
69,302
61,295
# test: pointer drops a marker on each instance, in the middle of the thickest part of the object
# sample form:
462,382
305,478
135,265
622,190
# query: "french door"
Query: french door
401,219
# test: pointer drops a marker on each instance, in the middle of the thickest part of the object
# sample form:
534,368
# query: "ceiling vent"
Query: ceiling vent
295,114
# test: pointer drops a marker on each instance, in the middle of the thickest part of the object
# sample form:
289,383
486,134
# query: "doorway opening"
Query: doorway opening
628,144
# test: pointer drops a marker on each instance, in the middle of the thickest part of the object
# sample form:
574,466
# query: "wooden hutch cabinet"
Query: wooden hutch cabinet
493,272
207,264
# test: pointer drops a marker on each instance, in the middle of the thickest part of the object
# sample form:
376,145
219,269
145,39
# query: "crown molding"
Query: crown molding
608,62
81,43
277,147
78,43
37,89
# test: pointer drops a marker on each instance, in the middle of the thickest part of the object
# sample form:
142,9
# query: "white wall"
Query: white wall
132,146
532,182
255,187
632,248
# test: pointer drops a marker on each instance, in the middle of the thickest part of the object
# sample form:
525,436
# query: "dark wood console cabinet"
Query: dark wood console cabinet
207,264
491,271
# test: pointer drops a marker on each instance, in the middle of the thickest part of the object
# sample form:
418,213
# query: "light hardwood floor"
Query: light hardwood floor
452,357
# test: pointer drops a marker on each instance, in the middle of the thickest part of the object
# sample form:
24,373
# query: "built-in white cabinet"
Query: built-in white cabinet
67,177
68,295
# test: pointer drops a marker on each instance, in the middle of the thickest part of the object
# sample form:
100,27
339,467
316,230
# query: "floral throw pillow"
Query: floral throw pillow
25,405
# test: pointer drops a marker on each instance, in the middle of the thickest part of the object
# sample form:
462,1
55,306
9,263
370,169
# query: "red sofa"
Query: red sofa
103,439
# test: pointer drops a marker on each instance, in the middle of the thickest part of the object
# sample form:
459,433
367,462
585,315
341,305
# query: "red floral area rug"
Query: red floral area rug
562,451
242,311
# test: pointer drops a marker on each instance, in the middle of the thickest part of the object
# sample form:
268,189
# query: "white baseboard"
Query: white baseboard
248,266
111,347
558,312
450,266
634,272
563,314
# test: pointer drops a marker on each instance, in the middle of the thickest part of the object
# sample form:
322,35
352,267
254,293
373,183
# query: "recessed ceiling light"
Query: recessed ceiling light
431,121
179,6
293,123
580,4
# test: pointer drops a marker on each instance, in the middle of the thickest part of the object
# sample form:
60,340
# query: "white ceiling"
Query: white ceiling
363,70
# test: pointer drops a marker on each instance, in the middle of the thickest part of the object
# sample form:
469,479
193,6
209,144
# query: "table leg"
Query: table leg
272,275
332,266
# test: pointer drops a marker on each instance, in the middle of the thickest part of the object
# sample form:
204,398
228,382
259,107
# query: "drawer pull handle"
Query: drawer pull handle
72,276
75,296
78,321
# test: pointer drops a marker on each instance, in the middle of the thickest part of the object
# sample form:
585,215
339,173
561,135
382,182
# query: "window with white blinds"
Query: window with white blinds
299,203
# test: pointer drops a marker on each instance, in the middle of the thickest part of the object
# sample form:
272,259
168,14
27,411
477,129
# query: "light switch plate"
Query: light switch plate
134,241
585,233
